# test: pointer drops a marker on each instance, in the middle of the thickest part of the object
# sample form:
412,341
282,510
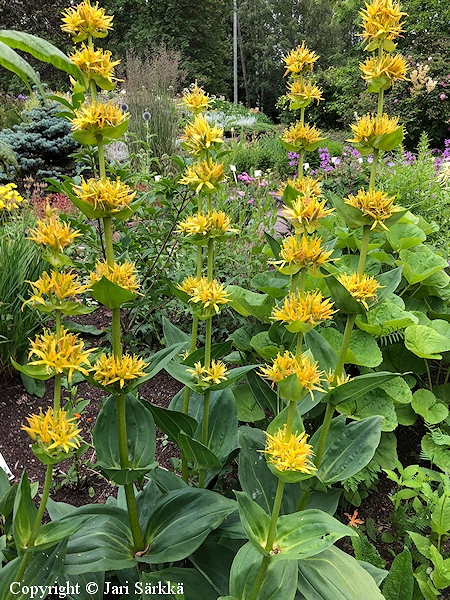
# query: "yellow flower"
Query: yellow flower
381,20
285,365
53,233
104,194
216,373
54,431
196,100
312,308
306,253
199,136
109,369
302,136
289,455
305,186
363,288
61,353
209,225
306,212
58,284
10,197
371,131
121,274
93,61
85,19
94,117
375,204
303,92
334,381
204,176
207,293
390,67
300,61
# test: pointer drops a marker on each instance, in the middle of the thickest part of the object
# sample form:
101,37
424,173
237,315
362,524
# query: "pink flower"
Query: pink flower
442,96
395,101
240,193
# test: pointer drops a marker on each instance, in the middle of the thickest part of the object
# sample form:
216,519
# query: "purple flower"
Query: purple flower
240,193
442,96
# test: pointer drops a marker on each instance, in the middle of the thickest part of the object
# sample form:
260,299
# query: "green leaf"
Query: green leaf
420,263
246,404
335,575
272,283
78,583
42,50
222,424
422,543
385,317
262,345
388,141
141,440
42,570
214,562
103,543
110,294
248,303
343,300
426,405
24,513
440,516
197,452
375,402
363,349
358,386
322,351
172,422
307,533
255,521
52,533
280,581
425,342
264,394
185,583
181,521
38,372
352,450
174,335
15,63
402,236
439,455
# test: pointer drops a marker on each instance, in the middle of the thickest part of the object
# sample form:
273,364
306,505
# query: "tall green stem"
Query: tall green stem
107,227
125,463
373,168
364,250
36,526
330,407
269,545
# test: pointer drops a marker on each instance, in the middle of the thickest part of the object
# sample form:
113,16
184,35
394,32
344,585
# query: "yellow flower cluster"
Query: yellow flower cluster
121,274
58,284
375,204
370,126
299,61
54,431
214,374
210,294
85,19
95,62
209,225
61,353
109,369
204,176
393,68
196,100
305,186
311,308
95,117
10,197
381,20
303,92
289,455
302,135
284,365
53,233
363,288
306,253
200,137
306,212
105,194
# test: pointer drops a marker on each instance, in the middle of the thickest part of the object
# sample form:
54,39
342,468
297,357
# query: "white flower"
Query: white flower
157,177
306,166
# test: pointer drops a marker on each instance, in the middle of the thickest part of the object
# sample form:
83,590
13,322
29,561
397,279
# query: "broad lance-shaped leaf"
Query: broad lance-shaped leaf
42,50
349,448
181,521
110,294
400,581
15,63
141,440
280,581
24,513
358,386
255,521
335,575
307,533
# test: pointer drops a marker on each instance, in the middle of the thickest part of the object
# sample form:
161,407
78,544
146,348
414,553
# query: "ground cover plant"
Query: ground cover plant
341,336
